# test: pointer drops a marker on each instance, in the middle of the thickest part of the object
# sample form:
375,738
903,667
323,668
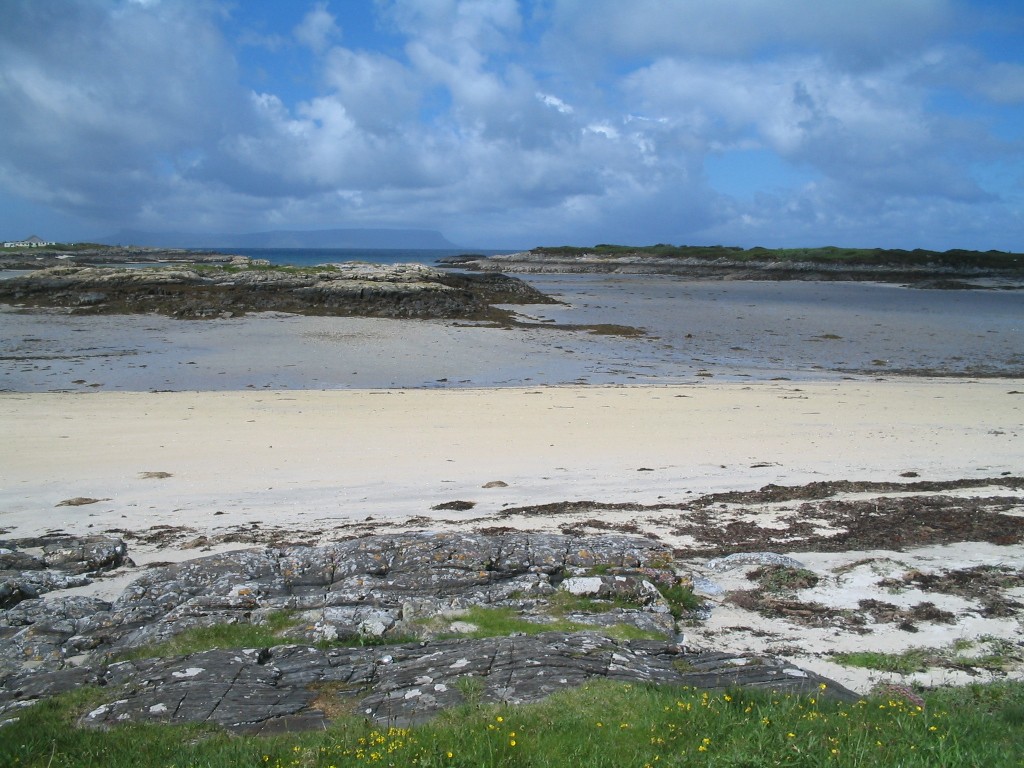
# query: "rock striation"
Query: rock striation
201,291
381,626
62,562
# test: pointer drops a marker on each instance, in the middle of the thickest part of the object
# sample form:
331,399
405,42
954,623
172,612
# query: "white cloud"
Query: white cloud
463,122
869,130
317,28
556,103
376,90
866,31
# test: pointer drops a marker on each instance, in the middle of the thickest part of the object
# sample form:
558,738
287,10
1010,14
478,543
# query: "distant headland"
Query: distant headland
319,238
919,267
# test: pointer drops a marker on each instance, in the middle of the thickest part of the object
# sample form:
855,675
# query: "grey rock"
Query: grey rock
65,563
626,586
251,689
371,588
85,555
705,586
13,560
752,558
378,290
369,591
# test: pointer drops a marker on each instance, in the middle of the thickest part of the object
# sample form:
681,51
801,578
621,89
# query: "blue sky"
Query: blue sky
505,123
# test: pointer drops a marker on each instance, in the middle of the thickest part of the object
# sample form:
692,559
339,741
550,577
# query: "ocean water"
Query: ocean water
308,257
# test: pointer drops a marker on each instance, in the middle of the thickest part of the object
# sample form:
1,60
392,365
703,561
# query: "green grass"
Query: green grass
988,653
905,663
603,725
500,622
231,636
680,598
563,602
219,636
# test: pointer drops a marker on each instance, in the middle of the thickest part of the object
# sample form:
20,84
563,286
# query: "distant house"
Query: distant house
29,242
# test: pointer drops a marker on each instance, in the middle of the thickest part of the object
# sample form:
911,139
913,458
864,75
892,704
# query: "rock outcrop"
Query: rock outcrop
403,604
353,288
62,562
925,275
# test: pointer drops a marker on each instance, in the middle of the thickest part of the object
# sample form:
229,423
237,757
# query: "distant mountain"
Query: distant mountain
317,238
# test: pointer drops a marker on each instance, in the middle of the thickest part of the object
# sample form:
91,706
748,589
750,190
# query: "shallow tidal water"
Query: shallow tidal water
692,331
792,327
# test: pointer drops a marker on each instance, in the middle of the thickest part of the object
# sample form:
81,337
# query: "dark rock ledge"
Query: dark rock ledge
370,591
197,291
918,275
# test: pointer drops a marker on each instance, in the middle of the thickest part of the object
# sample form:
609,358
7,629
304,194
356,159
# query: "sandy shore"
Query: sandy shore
182,474
310,459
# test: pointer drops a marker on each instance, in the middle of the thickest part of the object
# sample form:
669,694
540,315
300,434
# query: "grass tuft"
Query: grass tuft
602,725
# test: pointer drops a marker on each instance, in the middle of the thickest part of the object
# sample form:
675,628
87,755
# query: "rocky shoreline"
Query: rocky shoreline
936,276
394,626
243,286
107,255
607,602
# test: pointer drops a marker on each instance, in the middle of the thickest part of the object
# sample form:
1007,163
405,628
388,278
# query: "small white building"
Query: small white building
29,242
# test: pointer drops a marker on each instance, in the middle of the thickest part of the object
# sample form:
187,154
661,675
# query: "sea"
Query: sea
308,257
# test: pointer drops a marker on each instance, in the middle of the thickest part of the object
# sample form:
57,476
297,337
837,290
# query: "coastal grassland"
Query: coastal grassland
603,725
987,652
825,255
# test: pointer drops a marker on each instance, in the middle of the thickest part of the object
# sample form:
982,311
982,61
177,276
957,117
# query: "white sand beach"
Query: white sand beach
308,460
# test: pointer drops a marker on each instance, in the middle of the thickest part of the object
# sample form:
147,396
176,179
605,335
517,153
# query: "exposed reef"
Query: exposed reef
919,268
100,255
197,291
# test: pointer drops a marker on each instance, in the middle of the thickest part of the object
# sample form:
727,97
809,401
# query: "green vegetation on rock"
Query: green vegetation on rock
503,621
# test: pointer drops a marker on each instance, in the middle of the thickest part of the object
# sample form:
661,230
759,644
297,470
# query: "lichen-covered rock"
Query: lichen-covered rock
377,290
65,563
752,558
413,682
86,554
366,590
370,588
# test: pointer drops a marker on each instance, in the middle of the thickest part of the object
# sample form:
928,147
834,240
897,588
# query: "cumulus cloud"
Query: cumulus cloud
514,122
317,28
865,32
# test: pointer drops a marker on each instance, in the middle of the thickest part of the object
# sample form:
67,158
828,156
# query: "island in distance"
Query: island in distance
421,239
919,268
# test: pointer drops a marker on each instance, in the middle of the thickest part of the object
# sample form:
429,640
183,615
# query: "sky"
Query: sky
516,123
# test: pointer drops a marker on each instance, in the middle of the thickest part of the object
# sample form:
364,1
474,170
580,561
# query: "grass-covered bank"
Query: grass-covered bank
821,255
603,724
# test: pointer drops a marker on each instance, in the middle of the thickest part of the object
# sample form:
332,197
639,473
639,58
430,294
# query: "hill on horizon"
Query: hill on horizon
316,238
